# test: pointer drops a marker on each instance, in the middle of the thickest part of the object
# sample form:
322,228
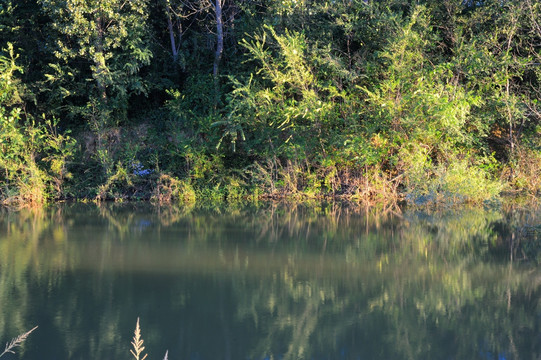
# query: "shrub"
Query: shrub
169,189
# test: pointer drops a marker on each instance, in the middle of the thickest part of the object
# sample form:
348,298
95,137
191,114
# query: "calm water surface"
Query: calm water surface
273,282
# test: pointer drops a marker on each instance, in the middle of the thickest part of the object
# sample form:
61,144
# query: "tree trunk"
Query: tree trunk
174,49
219,47
219,37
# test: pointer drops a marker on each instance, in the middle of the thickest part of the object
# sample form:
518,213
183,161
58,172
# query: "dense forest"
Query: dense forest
177,100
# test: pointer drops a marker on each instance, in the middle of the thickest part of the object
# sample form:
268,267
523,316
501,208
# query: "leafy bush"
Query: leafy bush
288,107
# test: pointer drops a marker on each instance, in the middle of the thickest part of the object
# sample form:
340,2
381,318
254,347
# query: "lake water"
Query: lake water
271,282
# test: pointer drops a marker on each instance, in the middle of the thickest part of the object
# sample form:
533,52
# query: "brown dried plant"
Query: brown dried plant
16,342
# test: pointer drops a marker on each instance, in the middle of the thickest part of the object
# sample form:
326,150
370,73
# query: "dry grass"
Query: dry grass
138,347
16,342
137,343
524,171
371,186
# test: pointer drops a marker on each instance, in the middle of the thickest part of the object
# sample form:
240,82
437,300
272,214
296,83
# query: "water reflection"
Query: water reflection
272,282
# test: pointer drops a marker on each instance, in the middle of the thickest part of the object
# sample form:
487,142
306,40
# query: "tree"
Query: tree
101,46
215,17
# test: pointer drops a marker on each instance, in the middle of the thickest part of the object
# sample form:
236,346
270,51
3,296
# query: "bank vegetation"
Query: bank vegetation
199,100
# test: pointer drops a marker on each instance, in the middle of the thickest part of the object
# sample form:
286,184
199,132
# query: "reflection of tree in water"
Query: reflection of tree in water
22,234
439,314
313,282
429,296
293,310
15,258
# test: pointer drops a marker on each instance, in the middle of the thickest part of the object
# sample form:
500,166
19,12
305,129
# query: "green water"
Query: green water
272,282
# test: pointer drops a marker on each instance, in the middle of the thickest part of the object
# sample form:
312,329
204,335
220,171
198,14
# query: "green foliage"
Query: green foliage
33,156
459,180
290,106
420,101
425,112
33,161
121,179
317,98
9,91
100,49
